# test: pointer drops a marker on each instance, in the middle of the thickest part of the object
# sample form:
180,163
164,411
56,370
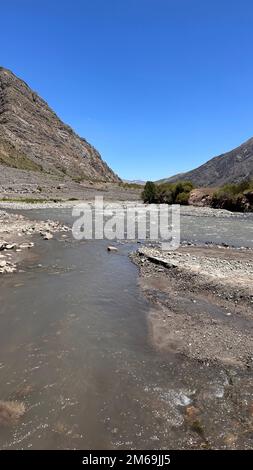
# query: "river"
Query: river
75,349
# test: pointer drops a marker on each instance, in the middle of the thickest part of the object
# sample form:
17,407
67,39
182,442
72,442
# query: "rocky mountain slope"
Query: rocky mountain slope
231,167
34,139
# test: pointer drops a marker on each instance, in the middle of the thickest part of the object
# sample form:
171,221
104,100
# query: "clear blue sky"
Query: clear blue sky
157,86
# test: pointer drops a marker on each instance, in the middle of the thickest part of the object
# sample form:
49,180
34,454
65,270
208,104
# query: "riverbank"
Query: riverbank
22,185
190,210
204,297
17,237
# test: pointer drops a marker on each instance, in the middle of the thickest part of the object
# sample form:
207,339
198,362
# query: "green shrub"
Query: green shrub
167,193
234,197
149,192
164,194
182,198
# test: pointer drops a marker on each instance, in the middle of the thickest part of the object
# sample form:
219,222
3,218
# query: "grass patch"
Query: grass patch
131,186
13,158
79,179
29,200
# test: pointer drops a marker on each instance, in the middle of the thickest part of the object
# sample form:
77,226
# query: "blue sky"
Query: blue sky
157,86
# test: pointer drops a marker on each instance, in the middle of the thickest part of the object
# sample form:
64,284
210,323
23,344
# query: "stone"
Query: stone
112,248
26,245
47,236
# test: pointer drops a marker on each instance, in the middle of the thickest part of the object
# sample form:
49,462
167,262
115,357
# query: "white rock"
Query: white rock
112,248
47,236
10,246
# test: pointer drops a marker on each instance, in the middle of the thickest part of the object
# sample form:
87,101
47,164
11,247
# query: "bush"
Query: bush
182,198
167,193
234,197
164,194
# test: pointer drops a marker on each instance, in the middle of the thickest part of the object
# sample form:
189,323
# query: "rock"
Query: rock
3,264
112,248
191,413
47,236
26,245
10,246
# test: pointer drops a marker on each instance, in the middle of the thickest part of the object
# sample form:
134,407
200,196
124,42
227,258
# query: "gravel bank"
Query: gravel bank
16,238
204,301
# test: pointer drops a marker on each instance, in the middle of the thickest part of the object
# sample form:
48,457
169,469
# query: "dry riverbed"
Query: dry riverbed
16,238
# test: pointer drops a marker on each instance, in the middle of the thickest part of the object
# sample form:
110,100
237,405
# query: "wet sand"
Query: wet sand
205,300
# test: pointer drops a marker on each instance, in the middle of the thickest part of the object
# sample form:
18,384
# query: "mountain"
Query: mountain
33,138
230,167
140,182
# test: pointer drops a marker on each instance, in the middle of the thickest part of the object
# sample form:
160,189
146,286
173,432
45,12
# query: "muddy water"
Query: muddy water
75,350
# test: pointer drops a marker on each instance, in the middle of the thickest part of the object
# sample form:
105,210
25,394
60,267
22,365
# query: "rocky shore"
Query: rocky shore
204,301
16,237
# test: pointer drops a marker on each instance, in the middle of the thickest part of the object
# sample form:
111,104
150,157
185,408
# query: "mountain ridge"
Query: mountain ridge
32,130
233,166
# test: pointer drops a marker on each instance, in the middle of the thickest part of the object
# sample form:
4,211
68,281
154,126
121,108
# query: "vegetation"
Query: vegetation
167,193
18,160
131,185
29,200
234,197
149,193
32,200
80,178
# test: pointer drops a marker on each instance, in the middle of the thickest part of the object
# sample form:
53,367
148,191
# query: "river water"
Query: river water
75,349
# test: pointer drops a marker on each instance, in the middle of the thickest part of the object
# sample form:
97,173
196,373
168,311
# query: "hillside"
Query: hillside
33,138
231,167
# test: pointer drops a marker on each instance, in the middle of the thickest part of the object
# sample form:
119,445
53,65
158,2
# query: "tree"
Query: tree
149,192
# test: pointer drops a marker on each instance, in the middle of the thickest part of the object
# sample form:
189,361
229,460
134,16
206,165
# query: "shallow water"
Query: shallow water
75,348
235,231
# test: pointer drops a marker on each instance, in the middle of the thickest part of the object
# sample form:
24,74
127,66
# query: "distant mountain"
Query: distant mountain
33,138
177,177
140,182
230,167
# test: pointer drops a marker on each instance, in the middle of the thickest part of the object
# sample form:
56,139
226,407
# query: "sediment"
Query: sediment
203,299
